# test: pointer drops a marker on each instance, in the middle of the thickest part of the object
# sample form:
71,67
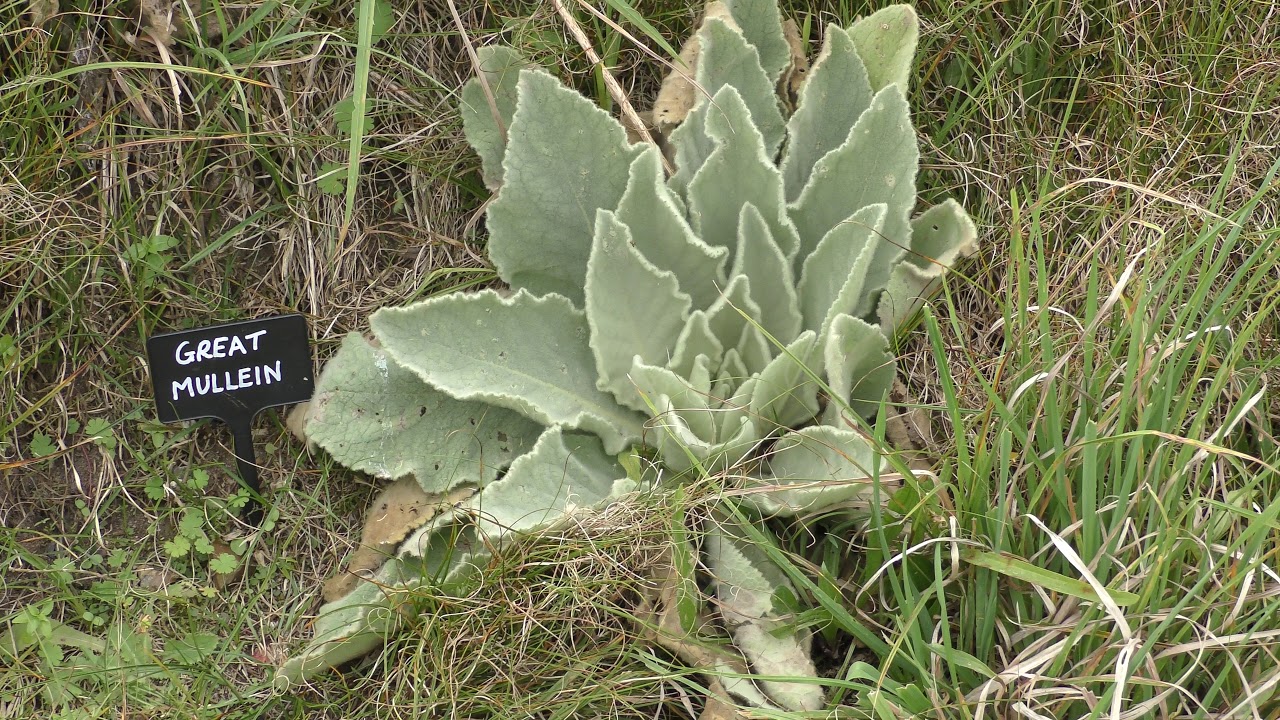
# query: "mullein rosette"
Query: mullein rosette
747,297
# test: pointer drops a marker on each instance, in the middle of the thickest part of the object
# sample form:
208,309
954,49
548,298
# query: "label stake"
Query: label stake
232,372
247,464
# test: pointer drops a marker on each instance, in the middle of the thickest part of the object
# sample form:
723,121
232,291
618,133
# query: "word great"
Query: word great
218,347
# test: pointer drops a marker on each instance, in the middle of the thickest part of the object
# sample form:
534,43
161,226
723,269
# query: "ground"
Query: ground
1103,366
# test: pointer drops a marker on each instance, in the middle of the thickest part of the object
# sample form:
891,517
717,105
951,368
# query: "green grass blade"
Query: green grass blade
1019,569
359,109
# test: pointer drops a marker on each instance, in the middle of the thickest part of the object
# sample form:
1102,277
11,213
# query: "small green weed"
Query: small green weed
149,259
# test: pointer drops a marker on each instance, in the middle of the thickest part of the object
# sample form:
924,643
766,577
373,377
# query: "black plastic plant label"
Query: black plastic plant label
231,371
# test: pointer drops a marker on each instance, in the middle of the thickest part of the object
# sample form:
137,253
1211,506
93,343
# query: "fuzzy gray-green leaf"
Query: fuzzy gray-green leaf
695,339
746,582
692,424
352,626
565,159
361,621
814,468
940,236
744,588
834,279
374,416
772,287
877,164
679,446
782,653
679,429
755,349
727,60
565,472
886,41
714,203
500,67
732,371
344,630
663,237
691,146
448,551
671,394
733,311
525,353
830,102
738,428
761,24
785,394
739,436
633,308
860,369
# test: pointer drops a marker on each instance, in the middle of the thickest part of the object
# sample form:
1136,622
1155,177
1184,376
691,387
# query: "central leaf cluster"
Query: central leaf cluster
744,300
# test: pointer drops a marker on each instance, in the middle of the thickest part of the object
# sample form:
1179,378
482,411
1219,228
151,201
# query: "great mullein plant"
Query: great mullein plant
692,309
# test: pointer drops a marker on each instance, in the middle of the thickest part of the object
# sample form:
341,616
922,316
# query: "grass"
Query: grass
1102,371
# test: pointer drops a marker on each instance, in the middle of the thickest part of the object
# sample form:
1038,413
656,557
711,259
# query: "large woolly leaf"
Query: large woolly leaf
565,473
565,159
759,258
746,582
877,164
744,588
754,349
448,540
741,688
633,308
361,621
396,512
679,446
940,236
785,394
345,630
696,339
886,41
714,203
782,655
691,146
739,430
692,427
660,233
525,353
860,369
671,394
683,451
835,278
732,373
727,60
739,434
814,468
374,416
500,67
830,102
761,25
733,311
